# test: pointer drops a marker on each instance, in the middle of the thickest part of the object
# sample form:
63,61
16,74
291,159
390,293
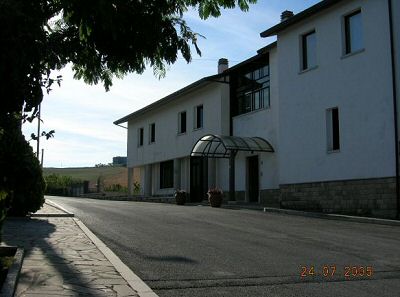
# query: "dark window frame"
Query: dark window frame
334,129
167,174
347,30
152,134
182,124
304,51
252,84
141,136
199,117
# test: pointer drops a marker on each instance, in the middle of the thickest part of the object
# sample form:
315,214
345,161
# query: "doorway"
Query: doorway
253,187
198,178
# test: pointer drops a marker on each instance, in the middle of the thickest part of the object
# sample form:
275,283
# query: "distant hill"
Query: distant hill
111,175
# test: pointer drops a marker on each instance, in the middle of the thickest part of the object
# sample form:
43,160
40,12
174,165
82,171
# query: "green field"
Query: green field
111,175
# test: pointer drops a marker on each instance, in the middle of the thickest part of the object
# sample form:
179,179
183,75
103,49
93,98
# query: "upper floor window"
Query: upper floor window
198,117
353,32
182,122
140,136
309,50
252,90
152,134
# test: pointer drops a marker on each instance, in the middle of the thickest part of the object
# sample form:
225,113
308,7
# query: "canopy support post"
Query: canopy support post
232,175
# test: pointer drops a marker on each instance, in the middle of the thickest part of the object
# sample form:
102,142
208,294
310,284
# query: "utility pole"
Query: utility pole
38,133
41,158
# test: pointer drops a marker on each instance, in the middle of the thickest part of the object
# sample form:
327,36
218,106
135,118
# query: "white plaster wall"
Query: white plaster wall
261,123
185,174
359,85
222,174
169,144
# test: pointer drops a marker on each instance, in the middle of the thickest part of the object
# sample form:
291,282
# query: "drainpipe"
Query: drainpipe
396,136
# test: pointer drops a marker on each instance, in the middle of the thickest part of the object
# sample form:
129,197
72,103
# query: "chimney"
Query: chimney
287,14
222,65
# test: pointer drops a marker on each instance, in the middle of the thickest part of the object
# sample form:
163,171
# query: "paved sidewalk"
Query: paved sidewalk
60,259
47,209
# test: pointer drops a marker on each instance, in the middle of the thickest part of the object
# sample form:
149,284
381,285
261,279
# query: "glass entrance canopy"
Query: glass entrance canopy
219,146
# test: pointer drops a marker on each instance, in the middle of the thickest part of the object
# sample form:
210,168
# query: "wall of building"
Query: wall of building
359,85
222,174
261,123
366,197
169,144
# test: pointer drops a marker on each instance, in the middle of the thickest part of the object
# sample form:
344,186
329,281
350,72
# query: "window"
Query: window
152,133
332,127
252,90
167,174
198,117
353,32
140,136
182,122
309,50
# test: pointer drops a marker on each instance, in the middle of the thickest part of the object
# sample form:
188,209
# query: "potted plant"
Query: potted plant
215,197
180,197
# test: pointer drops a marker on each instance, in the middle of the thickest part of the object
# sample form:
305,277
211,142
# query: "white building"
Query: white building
308,123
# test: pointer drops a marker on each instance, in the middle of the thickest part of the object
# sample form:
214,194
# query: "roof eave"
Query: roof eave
168,98
299,17
196,84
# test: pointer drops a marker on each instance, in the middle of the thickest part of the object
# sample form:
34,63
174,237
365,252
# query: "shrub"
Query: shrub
3,209
116,188
57,184
21,173
136,187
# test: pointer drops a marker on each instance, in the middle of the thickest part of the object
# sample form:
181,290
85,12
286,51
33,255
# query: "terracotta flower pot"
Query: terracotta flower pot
215,199
180,198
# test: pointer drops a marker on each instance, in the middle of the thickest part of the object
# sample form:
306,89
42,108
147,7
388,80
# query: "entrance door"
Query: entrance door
252,178
198,178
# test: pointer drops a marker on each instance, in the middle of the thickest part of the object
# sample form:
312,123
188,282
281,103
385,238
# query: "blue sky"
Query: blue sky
83,115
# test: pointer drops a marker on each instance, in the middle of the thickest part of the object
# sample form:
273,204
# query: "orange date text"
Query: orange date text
348,271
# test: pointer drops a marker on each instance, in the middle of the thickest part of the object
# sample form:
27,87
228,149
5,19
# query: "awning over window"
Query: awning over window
219,146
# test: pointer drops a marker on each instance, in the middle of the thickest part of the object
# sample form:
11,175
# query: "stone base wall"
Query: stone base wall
367,197
239,196
271,197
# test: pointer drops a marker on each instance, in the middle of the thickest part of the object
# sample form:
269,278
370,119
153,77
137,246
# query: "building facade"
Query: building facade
322,99
119,161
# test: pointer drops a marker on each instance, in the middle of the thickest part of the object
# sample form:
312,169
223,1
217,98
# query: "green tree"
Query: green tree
99,38
22,174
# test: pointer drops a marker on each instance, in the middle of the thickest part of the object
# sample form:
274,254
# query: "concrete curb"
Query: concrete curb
11,281
51,203
132,279
336,217
51,215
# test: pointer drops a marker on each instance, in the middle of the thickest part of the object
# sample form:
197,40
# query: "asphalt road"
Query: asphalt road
202,251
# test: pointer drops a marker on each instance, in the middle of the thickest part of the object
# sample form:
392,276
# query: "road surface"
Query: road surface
202,251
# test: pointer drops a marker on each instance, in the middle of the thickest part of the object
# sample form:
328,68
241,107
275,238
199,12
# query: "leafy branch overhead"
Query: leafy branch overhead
100,38
43,134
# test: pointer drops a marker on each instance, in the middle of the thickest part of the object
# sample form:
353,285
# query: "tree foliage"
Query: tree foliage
21,172
100,38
